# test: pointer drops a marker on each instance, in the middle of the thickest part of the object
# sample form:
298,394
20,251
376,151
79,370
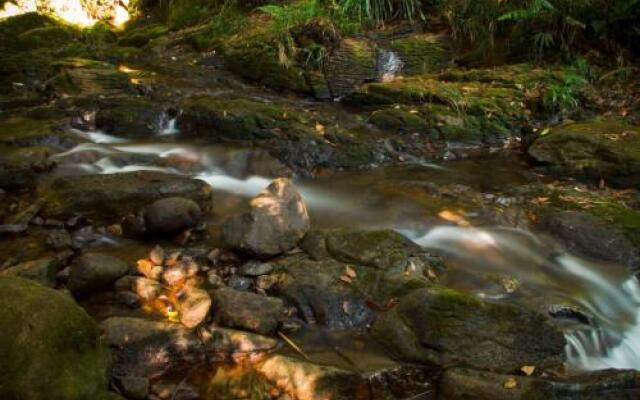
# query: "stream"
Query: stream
539,272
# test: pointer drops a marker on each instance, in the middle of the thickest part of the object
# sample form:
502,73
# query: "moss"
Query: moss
141,36
55,351
49,36
395,119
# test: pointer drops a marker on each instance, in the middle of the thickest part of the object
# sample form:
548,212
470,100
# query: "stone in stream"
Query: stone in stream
583,233
43,271
438,326
277,220
147,289
256,268
461,384
49,346
108,196
245,310
133,387
337,286
194,307
171,216
148,349
130,117
224,344
94,271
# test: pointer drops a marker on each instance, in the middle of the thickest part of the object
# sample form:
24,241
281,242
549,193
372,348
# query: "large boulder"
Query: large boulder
275,223
171,216
593,150
131,117
109,196
94,271
49,346
439,326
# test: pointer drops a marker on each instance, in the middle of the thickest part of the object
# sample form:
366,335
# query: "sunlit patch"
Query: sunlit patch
121,16
11,9
126,69
72,12
455,217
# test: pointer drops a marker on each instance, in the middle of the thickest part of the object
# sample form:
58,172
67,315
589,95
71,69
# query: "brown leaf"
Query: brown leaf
350,272
528,370
346,279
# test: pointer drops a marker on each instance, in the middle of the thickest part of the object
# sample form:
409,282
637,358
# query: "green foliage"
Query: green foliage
379,11
564,96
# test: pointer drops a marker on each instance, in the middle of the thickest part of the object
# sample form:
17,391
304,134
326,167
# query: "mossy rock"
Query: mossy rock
593,150
399,120
49,36
51,352
12,27
141,36
420,54
257,60
82,77
21,131
238,119
349,65
108,197
130,117
438,326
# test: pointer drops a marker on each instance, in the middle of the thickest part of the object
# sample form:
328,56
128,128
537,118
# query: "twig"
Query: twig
293,345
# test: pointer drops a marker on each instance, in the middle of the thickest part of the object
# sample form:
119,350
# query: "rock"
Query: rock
171,216
59,239
83,77
239,283
194,307
256,268
130,117
584,234
593,150
110,196
171,391
277,220
52,343
93,271
149,349
225,344
133,387
461,383
44,271
214,280
381,249
438,326
244,310
266,282
307,381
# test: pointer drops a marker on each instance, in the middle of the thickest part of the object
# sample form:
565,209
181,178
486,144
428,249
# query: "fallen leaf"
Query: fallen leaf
346,279
528,369
510,383
350,272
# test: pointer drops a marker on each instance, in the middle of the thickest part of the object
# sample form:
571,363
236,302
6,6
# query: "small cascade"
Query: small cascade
604,292
168,126
389,65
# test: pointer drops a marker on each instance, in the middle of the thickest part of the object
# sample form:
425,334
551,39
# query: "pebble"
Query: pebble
239,283
256,268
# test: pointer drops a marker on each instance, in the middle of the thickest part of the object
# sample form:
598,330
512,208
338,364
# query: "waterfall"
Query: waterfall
389,65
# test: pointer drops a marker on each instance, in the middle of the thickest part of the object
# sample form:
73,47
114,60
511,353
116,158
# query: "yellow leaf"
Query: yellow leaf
350,272
510,383
545,131
528,370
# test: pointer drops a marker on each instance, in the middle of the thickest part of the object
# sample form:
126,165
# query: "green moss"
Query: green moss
49,36
141,36
395,119
55,351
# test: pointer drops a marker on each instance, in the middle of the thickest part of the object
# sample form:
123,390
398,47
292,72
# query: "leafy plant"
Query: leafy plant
379,11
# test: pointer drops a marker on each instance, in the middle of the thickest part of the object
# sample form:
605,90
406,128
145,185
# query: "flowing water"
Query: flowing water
492,261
